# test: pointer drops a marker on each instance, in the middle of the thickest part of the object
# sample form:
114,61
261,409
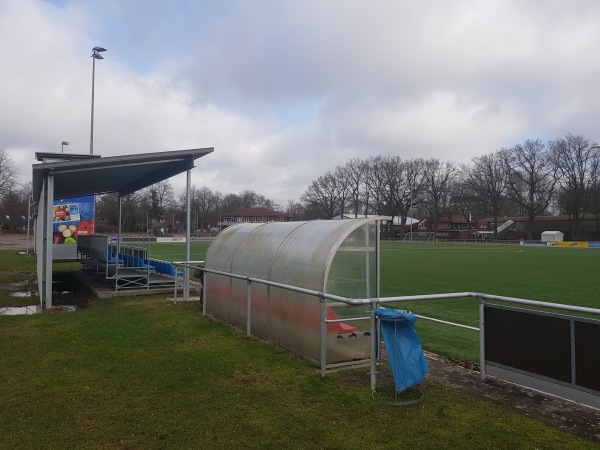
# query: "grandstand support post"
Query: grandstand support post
249,307
120,229
482,338
323,336
188,237
46,301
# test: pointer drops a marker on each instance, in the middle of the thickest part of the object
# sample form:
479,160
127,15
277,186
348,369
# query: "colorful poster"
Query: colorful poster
73,217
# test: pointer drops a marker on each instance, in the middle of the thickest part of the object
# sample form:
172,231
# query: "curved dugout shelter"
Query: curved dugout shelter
339,257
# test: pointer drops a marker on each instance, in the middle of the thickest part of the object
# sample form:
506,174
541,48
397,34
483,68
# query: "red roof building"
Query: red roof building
256,214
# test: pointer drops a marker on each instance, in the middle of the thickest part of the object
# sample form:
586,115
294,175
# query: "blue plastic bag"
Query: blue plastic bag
403,347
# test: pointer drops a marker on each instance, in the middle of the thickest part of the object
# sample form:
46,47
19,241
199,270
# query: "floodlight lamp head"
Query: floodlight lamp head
99,49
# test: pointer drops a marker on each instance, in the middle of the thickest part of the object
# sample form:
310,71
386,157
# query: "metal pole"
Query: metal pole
188,237
411,213
48,221
95,55
374,341
92,115
29,198
204,293
175,278
249,308
378,259
482,338
374,305
323,337
120,228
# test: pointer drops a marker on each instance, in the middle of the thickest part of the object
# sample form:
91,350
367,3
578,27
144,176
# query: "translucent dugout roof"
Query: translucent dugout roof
295,253
338,257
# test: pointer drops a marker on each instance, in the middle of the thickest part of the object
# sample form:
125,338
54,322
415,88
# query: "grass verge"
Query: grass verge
144,373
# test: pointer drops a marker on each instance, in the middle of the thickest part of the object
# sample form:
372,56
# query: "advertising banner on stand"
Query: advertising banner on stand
72,217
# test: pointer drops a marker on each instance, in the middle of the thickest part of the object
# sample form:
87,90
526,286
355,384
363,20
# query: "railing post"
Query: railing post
249,307
176,282
204,293
374,340
482,338
323,335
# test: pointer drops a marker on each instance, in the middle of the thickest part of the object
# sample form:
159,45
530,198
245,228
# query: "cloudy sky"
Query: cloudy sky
285,90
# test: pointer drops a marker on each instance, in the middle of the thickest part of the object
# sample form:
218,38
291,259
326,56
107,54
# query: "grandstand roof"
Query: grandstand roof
79,175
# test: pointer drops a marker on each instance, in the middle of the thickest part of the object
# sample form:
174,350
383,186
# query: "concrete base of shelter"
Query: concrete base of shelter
101,290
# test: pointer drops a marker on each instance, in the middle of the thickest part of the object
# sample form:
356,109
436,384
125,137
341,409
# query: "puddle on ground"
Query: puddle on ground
35,293
68,308
20,310
23,283
21,293
36,309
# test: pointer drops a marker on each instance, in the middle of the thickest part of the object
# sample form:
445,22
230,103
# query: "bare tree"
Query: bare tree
487,178
8,173
438,180
295,209
14,207
531,178
250,198
343,187
384,179
465,199
322,198
164,192
203,205
577,161
230,203
356,174
410,193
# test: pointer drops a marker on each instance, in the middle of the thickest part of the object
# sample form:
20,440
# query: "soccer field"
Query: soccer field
175,251
558,275
562,275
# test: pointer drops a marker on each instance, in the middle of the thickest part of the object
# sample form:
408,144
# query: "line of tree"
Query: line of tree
156,204
14,198
159,204
530,179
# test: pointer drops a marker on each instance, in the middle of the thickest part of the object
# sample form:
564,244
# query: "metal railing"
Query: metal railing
374,304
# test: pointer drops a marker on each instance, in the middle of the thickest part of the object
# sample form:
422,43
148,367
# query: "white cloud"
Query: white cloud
285,91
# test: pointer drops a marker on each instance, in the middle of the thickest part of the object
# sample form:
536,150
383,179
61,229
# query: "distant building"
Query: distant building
254,214
455,226
589,228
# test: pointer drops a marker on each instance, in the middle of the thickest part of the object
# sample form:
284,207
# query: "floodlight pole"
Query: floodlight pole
95,55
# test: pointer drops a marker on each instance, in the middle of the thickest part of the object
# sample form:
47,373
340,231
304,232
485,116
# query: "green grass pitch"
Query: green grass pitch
558,275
